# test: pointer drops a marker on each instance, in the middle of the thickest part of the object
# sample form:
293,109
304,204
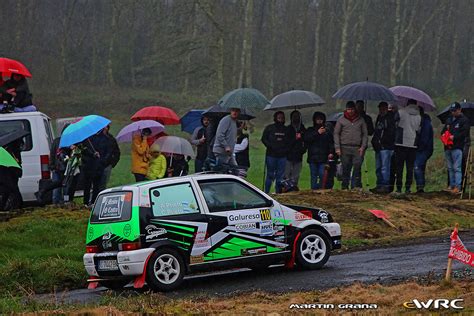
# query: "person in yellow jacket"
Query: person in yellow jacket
157,166
140,155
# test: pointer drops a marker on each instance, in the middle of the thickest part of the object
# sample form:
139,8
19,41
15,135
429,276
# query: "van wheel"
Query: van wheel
313,249
165,270
115,285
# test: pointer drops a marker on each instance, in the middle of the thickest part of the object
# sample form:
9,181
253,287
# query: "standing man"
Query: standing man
226,136
459,127
360,108
294,159
276,140
406,139
383,143
113,157
424,150
198,139
350,142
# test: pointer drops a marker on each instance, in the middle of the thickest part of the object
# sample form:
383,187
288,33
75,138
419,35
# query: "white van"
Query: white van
35,154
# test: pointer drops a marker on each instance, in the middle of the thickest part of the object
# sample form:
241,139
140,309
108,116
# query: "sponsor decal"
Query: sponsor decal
238,218
106,244
301,217
265,215
107,236
255,251
266,228
111,206
201,239
197,259
279,233
277,213
323,215
90,233
434,304
245,226
334,306
153,232
127,229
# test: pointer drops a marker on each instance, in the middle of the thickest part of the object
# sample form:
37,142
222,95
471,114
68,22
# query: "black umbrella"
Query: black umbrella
294,99
9,137
467,109
365,90
218,111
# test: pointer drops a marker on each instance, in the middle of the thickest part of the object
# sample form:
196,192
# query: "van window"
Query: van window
49,133
175,199
18,125
112,207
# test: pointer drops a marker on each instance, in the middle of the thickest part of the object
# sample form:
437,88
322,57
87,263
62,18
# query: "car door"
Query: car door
178,217
242,220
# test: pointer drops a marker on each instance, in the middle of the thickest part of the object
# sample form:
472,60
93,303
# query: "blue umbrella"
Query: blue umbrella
191,120
83,129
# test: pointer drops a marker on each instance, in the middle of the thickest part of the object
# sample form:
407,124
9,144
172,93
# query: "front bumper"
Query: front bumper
129,263
334,230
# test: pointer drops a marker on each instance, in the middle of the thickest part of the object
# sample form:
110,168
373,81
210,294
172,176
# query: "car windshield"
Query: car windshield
231,195
112,207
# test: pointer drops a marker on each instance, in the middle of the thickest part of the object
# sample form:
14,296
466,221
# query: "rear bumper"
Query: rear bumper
334,230
129,263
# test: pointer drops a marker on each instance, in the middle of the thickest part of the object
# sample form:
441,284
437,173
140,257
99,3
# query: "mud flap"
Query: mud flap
92,284
139,281
290,264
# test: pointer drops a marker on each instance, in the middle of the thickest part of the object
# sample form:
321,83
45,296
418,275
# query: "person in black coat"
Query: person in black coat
320,144
16,91
113,157
360,108
241,149
294,158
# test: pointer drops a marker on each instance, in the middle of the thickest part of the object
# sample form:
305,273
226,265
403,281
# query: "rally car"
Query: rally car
158,231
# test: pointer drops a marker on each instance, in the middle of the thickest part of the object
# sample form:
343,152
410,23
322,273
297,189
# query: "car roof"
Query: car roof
22,115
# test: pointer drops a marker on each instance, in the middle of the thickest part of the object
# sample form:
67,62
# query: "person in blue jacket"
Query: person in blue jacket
424,150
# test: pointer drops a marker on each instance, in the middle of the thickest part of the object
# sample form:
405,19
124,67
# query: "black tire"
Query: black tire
170,260
115,285
310,241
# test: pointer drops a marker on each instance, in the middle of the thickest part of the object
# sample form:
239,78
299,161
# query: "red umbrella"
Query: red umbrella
9,66
161,114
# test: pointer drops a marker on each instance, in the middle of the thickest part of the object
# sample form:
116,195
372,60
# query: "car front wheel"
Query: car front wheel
313,249
165,270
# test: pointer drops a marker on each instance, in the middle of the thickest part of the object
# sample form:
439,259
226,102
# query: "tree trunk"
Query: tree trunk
187,67
348,8
245,44
395,48
110,55
317,45
271,73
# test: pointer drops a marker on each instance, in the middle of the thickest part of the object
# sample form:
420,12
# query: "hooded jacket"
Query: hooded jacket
407,121
296,152
140,155
319,145
460,128
276,139
384,132
425,143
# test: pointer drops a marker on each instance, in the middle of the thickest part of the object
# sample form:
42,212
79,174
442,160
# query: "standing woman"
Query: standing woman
140,155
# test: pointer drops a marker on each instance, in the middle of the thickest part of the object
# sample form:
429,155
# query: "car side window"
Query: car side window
231,195
174,199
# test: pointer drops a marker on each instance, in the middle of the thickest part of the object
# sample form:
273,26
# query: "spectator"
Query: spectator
407,122
114,156
9,190
459,127
16,91
350,142
72,173
157,167
294,158
320,144
276,140
226,136
140,155
199,140
424,150
383,143
360,108
241,148
393,162
177,165
95,157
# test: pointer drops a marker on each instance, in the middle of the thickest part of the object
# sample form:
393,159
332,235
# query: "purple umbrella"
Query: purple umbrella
126,134
404,93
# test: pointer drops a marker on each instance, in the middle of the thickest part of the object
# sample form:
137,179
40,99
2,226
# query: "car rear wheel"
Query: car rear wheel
165,270
313,249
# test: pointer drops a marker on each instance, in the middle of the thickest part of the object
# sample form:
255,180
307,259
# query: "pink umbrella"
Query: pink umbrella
126,134
404,93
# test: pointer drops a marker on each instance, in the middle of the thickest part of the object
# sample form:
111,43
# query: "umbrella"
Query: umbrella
365,90
175,145
126,133
295,99
7,160
10,66
11,136
405,93
467,109
243,98
216,111
161,114
77,132
191,120
334,117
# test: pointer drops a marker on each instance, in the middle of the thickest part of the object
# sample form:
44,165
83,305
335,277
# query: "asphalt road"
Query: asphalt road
384,265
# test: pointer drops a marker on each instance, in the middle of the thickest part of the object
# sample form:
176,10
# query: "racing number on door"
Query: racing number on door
265,215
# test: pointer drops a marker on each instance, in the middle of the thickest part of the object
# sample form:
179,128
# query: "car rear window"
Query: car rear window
18,125
112,207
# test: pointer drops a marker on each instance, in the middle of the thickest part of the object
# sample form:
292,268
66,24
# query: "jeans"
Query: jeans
405,156
454,162
383,159
293,170
275,171
351,161
57,192
198,165
420,168
317,175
